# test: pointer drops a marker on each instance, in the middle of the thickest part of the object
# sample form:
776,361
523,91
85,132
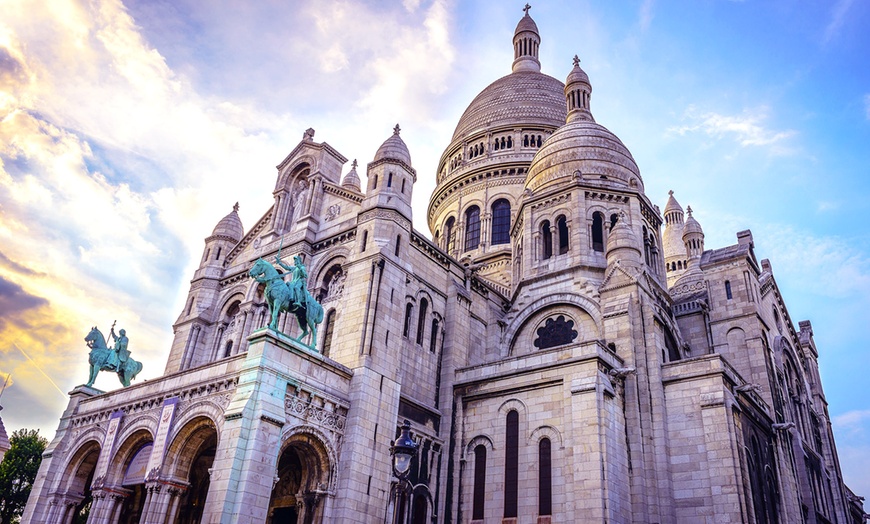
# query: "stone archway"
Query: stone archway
191,457
72,502
302,480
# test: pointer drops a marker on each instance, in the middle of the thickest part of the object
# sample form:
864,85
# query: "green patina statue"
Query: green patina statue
117,359
292,296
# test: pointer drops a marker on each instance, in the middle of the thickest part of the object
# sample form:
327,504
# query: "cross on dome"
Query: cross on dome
396,129
353,164
236,207
526,9
576,61
671,192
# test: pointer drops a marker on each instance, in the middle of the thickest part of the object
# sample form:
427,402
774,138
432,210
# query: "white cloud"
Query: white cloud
645,15
747,129
838,18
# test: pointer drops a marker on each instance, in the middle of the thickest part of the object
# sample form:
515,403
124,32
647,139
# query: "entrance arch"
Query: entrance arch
304,476
191,456
74,496
129,473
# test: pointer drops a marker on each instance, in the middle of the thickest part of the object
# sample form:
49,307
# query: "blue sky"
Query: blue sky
127,130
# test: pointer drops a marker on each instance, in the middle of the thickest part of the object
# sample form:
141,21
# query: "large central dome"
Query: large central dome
526,97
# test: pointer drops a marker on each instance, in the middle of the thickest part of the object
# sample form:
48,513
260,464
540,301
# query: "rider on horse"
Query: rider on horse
299,282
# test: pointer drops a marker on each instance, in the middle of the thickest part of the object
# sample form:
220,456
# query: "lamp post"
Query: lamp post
402,450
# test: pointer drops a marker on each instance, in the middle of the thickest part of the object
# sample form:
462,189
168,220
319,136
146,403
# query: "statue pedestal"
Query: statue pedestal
85,391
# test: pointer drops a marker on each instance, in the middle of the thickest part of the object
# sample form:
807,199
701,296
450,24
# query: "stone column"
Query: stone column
98,507
53,509
175,493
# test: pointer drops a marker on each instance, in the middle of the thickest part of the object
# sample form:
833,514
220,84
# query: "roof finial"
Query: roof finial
396,129
353,164
689,210
236,207
671,192
576,61
526,9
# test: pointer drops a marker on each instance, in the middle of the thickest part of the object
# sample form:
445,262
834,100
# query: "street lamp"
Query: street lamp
403,450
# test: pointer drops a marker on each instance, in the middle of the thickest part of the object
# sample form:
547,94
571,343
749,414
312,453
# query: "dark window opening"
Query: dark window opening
545,478
613,219
421,321
546,240
479,496
555,332
228,350
364,241
511,464
449,234
598,232
728,289
218,254
562,228
501,222
433,337
398,244
472,228
409,308
390,180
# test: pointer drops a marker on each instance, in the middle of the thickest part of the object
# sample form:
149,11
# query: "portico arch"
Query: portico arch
189,458
304,474
73,500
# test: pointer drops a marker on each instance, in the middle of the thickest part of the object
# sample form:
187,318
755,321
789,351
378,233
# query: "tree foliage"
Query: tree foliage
18,471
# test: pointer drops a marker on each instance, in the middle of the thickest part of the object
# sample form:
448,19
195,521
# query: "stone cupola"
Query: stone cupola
623,245
578,94
527,40
391,177
351,179
226,234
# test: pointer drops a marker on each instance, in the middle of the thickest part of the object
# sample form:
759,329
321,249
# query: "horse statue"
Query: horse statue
117,359
292,296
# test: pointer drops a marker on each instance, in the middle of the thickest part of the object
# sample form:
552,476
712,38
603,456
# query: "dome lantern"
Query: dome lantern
527,40
578,94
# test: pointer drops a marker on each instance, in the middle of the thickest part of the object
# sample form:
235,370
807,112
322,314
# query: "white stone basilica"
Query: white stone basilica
563,352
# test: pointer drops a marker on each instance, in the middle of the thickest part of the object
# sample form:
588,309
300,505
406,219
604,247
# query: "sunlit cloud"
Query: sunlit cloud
747,129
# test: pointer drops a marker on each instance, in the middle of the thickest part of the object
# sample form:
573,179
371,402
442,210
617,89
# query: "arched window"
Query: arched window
472,228
525,140
403,185
510,142
539,140
421,321
398,244
511,464
503,143
365,241
479,496
218,255
228,350
613,219
390,180
449,234
545,478
495,145
728,294
433,336
409,308
327,332
562,228
501,222
645,246
598,231
546,240
375,182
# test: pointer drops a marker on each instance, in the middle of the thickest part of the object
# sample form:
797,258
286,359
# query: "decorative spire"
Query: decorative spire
396,130
526,42
670,193
576,61
236,207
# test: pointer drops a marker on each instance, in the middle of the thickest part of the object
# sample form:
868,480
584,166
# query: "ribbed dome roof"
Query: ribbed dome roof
230,225
394,148
583,146
672,204
692,225
526,24
351,179
522,97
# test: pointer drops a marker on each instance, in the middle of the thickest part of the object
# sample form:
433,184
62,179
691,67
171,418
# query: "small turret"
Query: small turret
226,234
391,177
527,40
674,249
351,179
623,245
578,94
693,238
